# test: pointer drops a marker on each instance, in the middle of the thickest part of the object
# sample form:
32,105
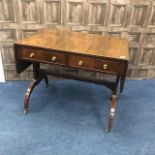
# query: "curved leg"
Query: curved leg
113,104
112,112
27,95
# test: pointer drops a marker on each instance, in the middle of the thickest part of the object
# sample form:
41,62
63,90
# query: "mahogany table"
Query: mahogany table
104,54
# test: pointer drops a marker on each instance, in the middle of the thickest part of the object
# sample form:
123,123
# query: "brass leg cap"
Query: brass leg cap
107,130
25,110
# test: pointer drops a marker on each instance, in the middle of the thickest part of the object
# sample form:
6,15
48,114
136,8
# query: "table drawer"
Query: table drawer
42,55
110,66
103,65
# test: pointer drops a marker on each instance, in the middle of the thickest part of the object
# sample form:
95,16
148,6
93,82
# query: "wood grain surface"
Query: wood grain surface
77,42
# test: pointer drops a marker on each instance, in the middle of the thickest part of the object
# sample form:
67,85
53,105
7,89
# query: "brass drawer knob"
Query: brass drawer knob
80,63
31,55
53,58
105,66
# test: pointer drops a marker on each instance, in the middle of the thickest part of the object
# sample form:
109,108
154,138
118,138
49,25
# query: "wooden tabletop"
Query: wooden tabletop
78,42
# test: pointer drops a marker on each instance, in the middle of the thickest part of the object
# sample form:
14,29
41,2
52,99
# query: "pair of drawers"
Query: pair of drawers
71,60
41,55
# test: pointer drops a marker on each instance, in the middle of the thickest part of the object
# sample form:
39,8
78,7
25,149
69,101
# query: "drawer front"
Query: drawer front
110,66
42,55
81,62
103,65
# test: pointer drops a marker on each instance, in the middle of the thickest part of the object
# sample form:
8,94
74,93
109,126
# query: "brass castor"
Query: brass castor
107,130
25,110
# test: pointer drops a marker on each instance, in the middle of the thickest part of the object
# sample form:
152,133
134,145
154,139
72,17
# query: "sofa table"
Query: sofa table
81,51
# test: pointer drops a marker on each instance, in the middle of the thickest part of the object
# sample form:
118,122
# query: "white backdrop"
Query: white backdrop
2,78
